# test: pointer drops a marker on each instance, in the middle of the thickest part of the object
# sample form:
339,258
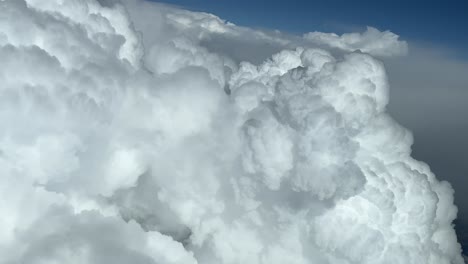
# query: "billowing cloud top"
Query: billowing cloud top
372,41
132,133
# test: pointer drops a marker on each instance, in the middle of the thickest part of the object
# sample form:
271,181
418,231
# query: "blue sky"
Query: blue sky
441,23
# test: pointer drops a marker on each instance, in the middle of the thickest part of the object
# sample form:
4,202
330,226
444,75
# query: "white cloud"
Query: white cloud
371,41
127,139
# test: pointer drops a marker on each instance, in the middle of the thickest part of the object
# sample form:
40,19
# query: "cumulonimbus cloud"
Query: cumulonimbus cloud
125,139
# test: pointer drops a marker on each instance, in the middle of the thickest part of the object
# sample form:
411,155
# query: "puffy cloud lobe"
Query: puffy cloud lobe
63,237
371,41
126,143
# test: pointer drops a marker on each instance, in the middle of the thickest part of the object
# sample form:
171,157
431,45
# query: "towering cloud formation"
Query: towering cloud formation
131,135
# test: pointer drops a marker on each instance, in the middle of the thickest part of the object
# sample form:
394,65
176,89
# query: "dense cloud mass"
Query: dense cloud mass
132,134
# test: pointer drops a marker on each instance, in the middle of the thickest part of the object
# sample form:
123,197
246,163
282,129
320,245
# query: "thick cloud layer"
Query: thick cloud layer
126,139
